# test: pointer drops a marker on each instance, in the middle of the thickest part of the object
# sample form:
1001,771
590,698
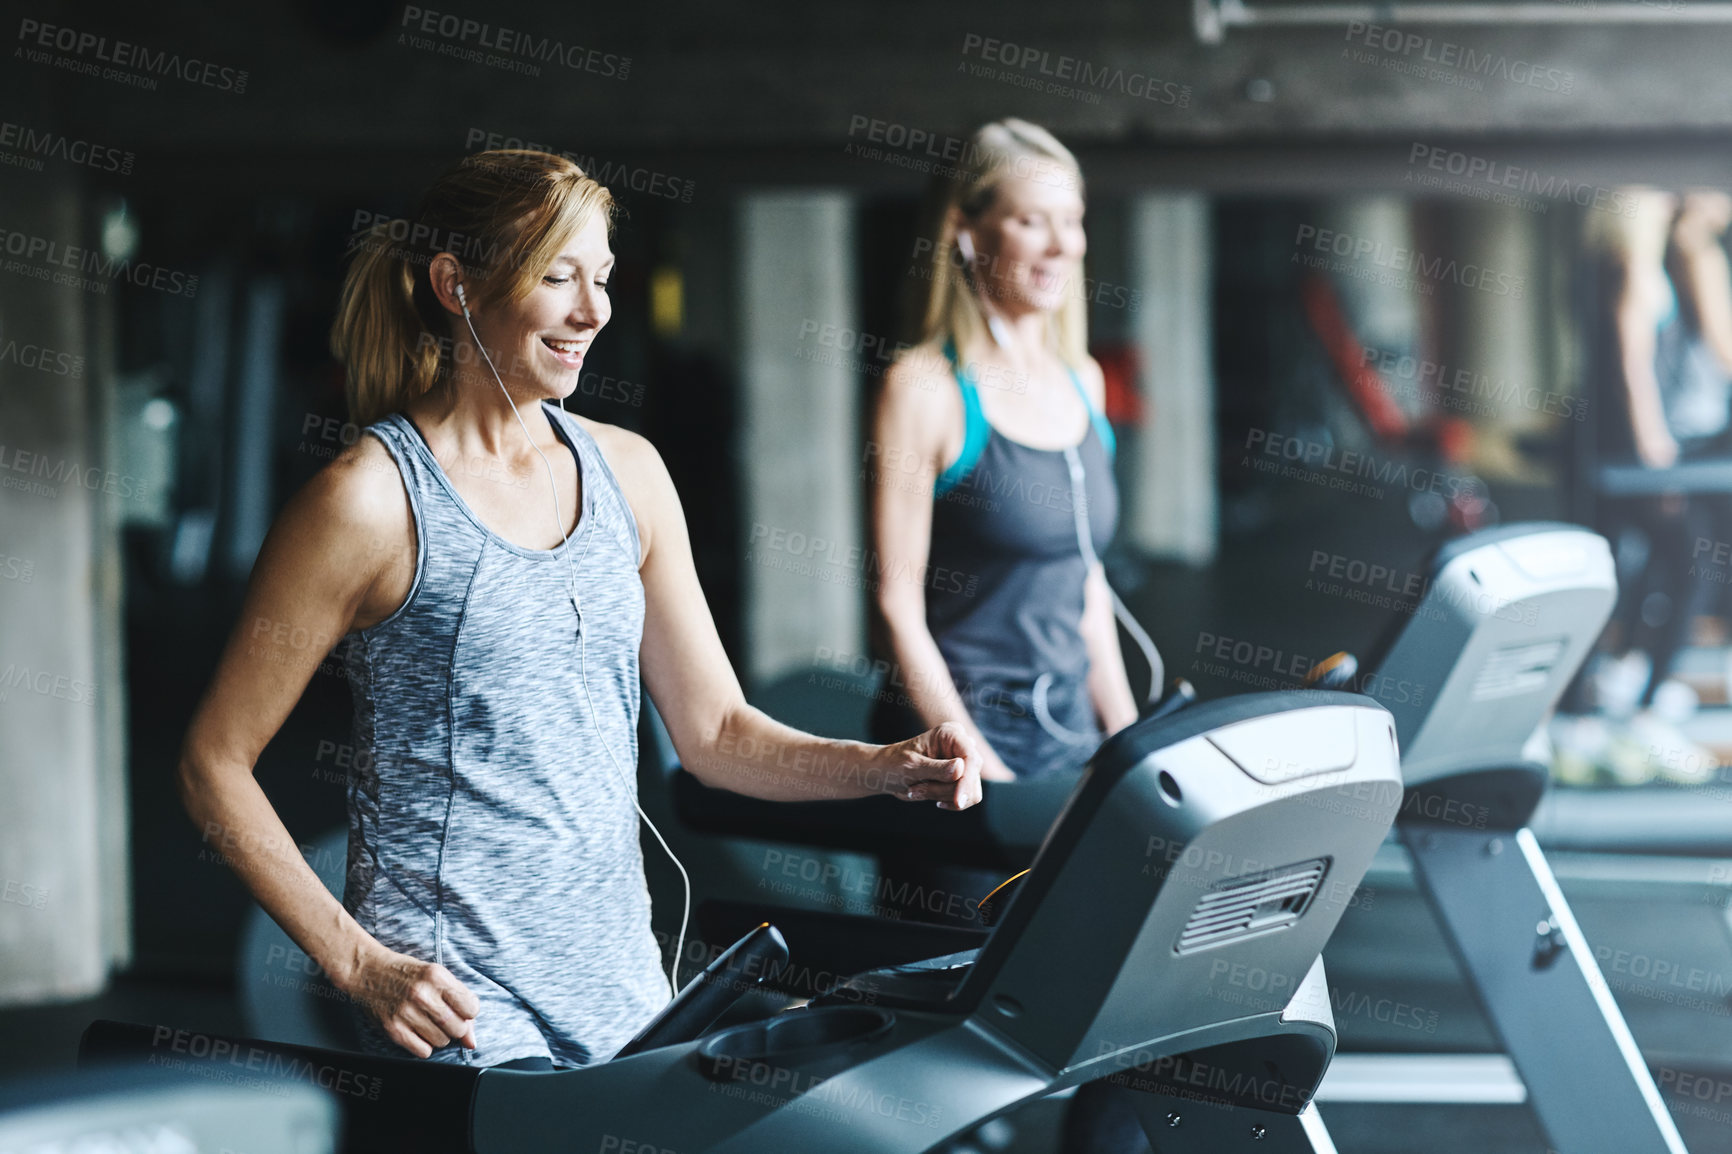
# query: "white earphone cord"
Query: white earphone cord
1157,667
1079,487
582,666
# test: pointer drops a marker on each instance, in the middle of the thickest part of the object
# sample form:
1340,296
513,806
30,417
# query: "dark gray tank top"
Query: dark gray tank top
488,829
1004,599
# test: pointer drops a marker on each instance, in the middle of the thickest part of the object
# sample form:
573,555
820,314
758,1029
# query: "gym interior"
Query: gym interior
1413,325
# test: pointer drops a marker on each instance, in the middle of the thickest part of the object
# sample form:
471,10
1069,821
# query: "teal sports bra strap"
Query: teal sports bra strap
1669,312
975,430
1103,427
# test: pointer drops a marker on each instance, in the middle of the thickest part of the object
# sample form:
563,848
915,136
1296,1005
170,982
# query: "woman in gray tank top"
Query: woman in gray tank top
993,499
994,493
503,573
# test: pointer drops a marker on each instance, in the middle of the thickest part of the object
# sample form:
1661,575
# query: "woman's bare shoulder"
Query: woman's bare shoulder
922,375
642,475
628,454
358,496
1094,380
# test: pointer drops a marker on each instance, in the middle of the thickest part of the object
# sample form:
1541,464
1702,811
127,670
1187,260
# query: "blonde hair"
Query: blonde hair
505,215
947,307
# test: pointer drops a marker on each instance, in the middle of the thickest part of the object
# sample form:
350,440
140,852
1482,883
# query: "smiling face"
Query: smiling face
539,343
1029,244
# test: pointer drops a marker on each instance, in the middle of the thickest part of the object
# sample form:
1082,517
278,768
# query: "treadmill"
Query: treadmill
1506,619
1509,617
1113,959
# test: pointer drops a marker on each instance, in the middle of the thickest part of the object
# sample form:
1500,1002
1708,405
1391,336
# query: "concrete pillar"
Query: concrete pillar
1500,328
63,883
1173,508
248,475
1389,304
806,570
108,606
1383,318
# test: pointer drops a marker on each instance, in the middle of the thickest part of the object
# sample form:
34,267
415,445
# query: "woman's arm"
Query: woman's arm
1698,236
334,554
1633,316
916,427
723,741
1109,687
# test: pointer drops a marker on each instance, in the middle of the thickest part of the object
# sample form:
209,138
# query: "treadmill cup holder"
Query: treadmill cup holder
815,1039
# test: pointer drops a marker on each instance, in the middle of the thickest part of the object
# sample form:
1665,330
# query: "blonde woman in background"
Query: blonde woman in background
1666,367
993,499
993,494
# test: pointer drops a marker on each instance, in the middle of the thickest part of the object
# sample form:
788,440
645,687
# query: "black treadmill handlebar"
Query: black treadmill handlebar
1182,695
1637,480
999,833
706,997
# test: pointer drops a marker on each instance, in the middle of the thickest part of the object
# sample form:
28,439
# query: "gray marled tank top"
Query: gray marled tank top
489,831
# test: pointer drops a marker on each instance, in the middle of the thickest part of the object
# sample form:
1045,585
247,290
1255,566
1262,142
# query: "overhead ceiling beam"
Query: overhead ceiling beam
1212,18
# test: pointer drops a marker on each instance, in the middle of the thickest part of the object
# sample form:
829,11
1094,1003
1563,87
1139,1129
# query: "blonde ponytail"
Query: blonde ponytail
378,333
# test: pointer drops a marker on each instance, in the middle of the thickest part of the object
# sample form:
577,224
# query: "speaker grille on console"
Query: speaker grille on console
1521,668
1247,907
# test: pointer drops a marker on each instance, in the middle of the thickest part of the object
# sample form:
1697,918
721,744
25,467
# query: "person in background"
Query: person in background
993,500
993,495
1668,369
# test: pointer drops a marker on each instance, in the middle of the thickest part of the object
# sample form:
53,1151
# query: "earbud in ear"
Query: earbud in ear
462,298
965,242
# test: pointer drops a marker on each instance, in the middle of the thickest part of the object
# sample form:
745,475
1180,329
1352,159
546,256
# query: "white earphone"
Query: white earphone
995,324
965,244
582,665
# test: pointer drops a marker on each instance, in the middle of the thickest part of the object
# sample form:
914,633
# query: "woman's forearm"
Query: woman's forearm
237,822
1109,686
756,755
1110,690
1647,412
751,753
1633,321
